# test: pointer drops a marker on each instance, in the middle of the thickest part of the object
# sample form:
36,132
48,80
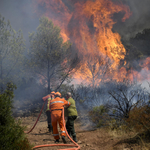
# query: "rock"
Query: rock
83,145
79,142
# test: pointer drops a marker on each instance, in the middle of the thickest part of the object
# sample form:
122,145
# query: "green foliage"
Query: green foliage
99,115
12,134
82,101
48,54
64,88
99,109
12,50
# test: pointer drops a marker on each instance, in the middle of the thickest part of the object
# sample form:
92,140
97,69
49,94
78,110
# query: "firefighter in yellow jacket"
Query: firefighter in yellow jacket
49,97
71,114
56,106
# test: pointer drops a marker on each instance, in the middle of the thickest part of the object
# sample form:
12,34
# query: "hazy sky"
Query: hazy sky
21,15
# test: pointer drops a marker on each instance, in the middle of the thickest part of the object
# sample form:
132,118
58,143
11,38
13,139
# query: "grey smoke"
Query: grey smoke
138,21
20,14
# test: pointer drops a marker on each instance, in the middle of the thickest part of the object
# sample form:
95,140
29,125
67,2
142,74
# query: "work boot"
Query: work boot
64,140
57,141
75,139
49,129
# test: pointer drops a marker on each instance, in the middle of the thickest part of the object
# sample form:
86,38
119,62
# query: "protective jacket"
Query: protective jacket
71,110
48,98
56,106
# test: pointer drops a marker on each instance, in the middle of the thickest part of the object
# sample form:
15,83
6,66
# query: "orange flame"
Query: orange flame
88,25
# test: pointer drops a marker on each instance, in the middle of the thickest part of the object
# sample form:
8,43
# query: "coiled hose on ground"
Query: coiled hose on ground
50,145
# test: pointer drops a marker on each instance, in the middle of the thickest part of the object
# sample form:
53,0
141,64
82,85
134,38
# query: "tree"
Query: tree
50,58
126,96
95,69
12,48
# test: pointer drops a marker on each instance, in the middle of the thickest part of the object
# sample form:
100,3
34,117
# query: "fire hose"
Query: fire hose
36,120
48,145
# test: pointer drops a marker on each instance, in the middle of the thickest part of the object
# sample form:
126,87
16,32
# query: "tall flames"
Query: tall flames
88,25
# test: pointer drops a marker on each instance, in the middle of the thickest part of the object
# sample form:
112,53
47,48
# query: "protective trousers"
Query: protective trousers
48,113
70,125
56,117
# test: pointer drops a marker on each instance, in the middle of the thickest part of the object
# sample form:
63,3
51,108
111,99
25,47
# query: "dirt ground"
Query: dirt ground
88,138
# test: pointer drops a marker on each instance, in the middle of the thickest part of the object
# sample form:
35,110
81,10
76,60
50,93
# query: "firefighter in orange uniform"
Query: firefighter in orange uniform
56,106
49,97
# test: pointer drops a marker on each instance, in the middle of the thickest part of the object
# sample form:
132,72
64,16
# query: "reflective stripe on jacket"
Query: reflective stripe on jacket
58,103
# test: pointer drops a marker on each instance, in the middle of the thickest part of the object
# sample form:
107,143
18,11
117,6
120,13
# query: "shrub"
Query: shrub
12,134
139,118
99,115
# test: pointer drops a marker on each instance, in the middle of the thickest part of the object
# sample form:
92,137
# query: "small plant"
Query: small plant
12,134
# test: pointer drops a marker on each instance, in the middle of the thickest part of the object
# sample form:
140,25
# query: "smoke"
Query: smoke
20,14
138,21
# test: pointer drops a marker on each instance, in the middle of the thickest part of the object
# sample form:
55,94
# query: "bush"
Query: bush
139,118
12,134
99,115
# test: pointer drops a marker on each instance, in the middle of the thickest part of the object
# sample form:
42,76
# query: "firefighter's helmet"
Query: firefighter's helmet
58,94
53,92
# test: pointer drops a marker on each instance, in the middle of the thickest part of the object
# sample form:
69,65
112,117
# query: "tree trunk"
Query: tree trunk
48,77
1,73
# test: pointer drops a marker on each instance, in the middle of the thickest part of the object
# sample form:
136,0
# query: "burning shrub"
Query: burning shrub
12,134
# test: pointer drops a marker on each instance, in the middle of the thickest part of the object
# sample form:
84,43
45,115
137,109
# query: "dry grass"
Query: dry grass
130,140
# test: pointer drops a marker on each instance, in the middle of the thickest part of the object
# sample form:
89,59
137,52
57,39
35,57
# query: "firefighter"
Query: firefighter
49,97
56,106
71,114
